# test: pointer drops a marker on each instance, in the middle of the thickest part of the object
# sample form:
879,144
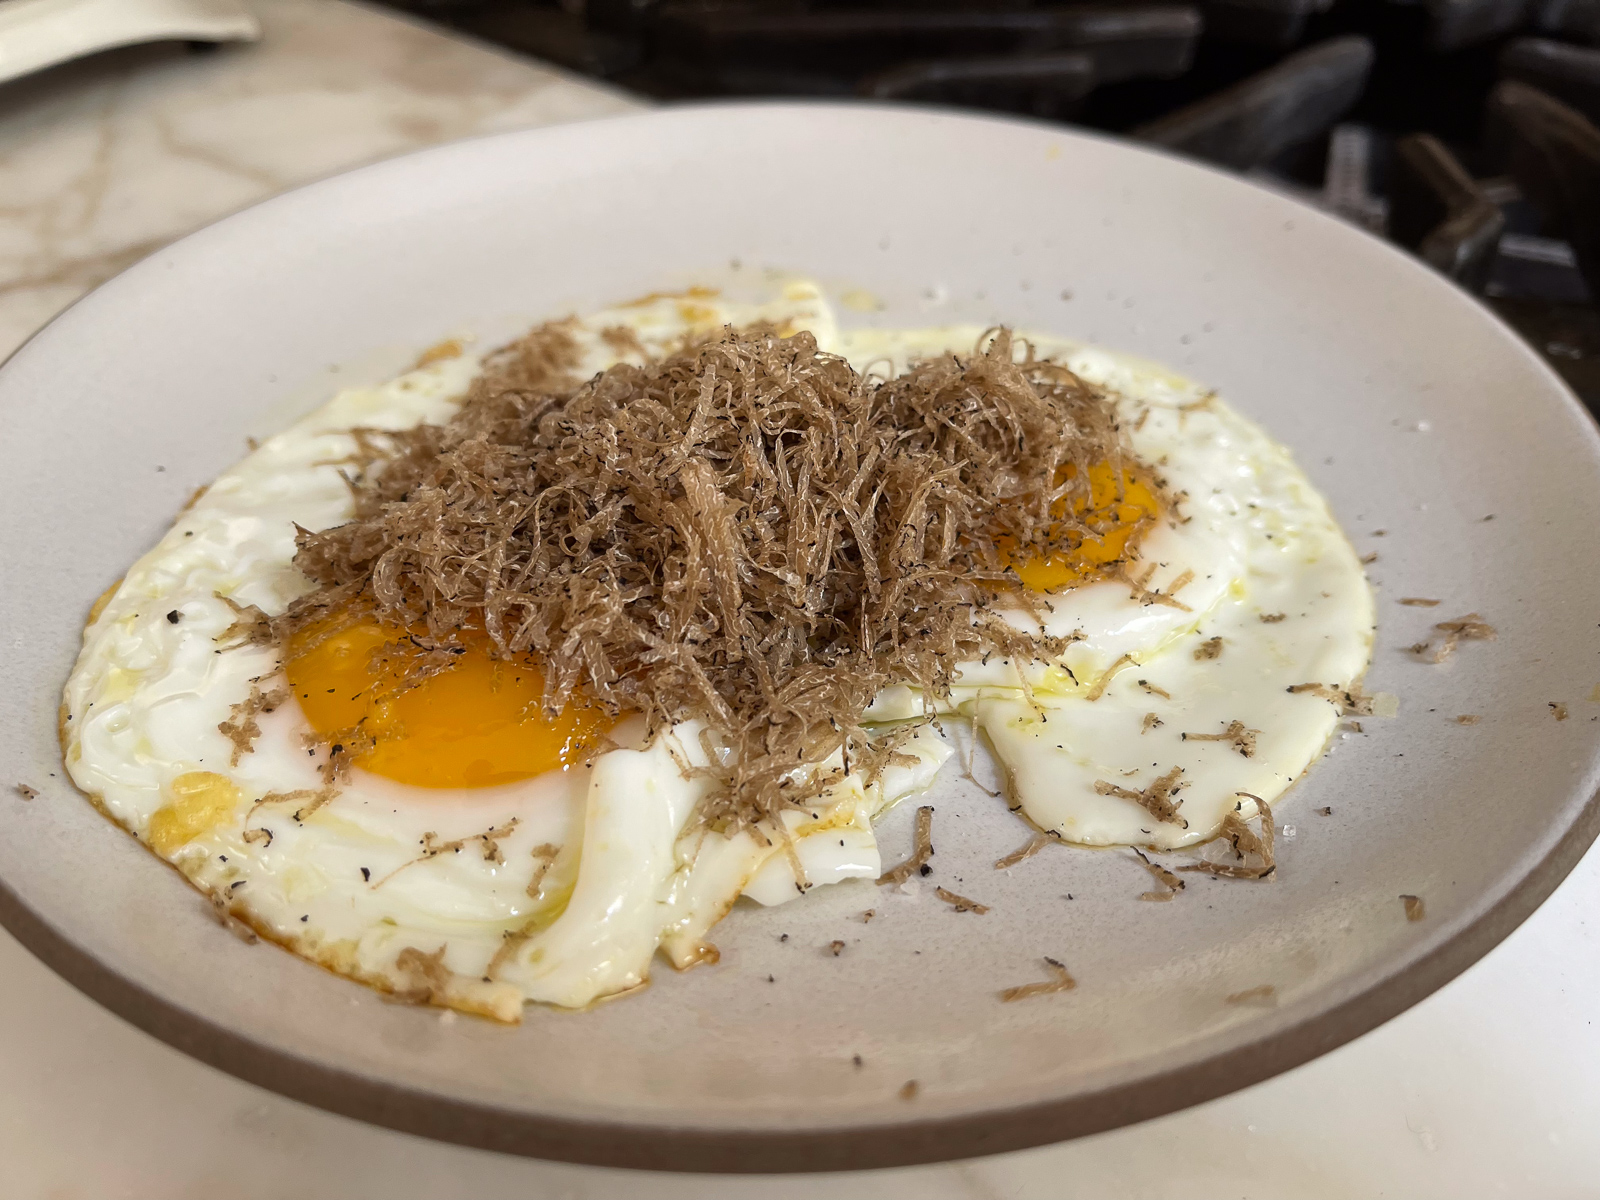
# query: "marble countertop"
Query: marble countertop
1486,1089
106,159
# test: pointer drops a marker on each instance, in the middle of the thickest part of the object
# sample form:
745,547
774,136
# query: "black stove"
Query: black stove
1463,130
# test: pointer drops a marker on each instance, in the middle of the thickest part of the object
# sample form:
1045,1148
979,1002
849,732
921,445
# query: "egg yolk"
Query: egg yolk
1115,517
478,723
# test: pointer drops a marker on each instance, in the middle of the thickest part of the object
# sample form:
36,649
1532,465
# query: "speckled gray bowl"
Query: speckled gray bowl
1414,409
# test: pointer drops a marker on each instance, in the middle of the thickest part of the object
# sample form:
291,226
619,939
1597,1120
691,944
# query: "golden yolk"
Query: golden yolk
478,723
1114,521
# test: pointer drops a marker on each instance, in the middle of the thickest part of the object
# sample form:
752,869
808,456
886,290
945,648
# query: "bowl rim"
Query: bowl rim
653,1147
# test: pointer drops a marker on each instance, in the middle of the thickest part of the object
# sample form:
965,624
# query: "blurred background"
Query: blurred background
1462,130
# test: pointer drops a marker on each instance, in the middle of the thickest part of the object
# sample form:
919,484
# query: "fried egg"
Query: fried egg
481,856
1187,650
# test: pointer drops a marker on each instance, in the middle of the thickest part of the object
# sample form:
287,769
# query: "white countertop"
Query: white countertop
1488,1088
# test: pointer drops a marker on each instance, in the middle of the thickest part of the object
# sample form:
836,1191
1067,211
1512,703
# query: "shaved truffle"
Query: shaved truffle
433,846
922,849
427,976
1450,634
960,903
1027,850
1243,740
1166,878
1351,702
1060,981
1253,851
1155,799
241,728
747,532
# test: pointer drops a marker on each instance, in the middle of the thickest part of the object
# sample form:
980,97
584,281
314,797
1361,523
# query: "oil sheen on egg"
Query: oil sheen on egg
1184,662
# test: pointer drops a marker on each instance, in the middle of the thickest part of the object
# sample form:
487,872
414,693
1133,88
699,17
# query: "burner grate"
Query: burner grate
1463,130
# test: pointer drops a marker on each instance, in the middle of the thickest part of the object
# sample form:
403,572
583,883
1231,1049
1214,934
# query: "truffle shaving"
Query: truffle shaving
1247,845
313,798
1242,739
1027,850
428,976
1168,880
511,941
1351,702
921,851
251,626
241,728
1470,628
1060,981
1155,799
433,847
960,903
1139,590
544,854
747,532
1106,676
